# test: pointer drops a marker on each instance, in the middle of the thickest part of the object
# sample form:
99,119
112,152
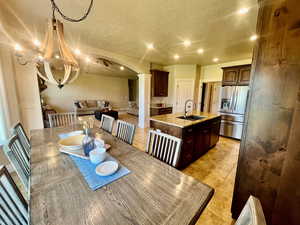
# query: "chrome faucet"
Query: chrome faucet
185,106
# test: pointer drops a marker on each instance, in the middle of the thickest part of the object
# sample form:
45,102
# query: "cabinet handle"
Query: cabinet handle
190,130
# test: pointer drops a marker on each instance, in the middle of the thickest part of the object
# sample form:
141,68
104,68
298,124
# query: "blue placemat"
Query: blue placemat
95,181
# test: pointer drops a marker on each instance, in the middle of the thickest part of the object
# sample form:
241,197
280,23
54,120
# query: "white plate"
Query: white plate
107,168
72,143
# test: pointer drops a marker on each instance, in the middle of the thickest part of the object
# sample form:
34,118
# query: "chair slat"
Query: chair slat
125,131
19,159
164,147
62,119
13,207
107,123
19,130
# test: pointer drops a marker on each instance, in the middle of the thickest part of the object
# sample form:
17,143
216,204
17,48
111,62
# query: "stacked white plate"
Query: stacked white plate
72,142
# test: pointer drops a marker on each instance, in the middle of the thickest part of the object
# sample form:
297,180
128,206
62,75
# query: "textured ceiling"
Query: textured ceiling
126,26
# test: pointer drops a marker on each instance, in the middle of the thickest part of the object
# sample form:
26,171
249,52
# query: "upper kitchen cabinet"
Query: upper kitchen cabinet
236,75
159,83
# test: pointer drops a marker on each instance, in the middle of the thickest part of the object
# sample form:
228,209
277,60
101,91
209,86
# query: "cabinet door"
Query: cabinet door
215,132
230,76
244,75
201,141
160,83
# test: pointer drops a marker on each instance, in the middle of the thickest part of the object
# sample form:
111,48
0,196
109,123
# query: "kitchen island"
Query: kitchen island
199,134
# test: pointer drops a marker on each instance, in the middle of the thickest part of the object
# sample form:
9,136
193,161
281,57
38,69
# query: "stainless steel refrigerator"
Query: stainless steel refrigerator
233,107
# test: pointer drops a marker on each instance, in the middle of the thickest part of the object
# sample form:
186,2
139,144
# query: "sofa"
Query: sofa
88,107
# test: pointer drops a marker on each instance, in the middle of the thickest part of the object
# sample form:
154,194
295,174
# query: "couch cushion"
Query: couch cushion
91,103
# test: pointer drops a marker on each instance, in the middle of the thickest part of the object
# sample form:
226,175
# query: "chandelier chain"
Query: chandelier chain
55,8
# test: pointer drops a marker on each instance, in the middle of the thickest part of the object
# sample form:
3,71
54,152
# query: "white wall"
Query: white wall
89,87
212,73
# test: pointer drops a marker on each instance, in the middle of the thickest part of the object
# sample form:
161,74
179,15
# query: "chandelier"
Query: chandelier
56,63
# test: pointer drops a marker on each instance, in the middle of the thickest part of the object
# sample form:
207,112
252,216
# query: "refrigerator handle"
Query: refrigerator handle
232,102
236,98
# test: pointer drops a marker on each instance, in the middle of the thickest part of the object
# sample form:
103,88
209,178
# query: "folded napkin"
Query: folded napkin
95,181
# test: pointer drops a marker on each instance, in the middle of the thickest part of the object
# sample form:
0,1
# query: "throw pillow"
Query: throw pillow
83,104
77,105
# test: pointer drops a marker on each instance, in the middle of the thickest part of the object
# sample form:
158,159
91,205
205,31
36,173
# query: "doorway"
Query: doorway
184,90
211,97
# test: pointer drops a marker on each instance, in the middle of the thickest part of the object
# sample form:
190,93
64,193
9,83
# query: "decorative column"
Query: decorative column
144,99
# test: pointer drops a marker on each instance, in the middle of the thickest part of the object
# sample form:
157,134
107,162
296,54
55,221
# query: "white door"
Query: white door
184,90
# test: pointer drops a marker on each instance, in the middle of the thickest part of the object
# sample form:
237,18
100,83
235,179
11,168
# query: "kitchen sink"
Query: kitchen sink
192,117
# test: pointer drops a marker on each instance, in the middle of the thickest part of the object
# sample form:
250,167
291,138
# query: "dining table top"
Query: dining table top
153,193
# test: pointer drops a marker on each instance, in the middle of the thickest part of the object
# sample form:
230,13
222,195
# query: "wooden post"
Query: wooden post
269,159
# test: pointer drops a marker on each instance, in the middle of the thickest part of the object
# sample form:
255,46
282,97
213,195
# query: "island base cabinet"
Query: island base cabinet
196,139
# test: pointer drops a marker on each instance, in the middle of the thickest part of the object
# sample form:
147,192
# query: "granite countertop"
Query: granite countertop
171,119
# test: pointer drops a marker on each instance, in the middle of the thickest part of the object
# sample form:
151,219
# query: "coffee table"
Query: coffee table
112,113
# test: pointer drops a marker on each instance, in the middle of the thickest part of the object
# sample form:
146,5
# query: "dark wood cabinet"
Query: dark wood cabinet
202,139
236,75
215,133
230,76
196,139
160,111
159,83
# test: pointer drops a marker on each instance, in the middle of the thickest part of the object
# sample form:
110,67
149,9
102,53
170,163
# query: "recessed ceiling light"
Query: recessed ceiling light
36,42
150,46
243,11
253,37
200,51
215,59
176,56
187,43
18,47
121,67
87,59
77,51
57,56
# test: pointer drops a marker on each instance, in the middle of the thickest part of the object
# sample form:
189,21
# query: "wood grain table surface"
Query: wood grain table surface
153,193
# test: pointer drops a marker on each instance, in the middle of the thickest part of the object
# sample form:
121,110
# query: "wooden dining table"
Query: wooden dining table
153,193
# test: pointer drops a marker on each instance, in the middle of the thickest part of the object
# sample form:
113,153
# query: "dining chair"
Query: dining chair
13,207
107,123
252,213
164,147
19,159
62,119
19,130
125,131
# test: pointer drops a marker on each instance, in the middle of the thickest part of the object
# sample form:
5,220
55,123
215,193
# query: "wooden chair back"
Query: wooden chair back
19,130
13,206
125,131
252,213
164,147
107,123
19,159
62,119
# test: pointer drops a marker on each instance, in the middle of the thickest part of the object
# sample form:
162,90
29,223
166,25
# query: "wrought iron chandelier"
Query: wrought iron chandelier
56,63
